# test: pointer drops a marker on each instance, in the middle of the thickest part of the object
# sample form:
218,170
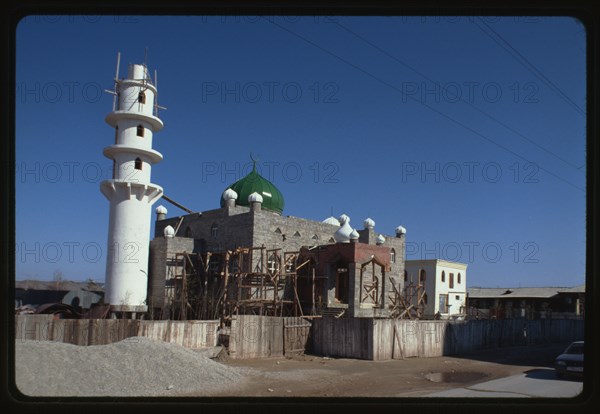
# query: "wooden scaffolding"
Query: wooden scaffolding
244,281
409,302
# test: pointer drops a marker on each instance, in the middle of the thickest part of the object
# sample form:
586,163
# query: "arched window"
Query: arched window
142,98
422,275
138,164
140,131
443,276
425,298
214,230
458,279
116,134
393,256
405,276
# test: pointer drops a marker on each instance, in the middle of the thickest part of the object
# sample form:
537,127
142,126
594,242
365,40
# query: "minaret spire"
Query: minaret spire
130,191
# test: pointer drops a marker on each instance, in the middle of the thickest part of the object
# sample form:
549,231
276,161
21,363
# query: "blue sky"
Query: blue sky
468,132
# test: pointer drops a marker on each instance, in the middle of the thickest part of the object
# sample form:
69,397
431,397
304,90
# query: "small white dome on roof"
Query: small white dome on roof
344,219
400,230
169,231
161,210
380,239
369,223
342,235
229,194
255,198
354,235
332,220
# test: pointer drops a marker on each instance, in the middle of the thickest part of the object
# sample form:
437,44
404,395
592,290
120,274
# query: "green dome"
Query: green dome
254,182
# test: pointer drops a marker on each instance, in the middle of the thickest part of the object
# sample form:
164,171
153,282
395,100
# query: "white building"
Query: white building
445,286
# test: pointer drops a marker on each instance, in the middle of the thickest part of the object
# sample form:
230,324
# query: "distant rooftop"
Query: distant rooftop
522,292
63,285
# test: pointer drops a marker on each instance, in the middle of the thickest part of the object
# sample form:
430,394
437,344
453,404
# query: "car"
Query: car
570,362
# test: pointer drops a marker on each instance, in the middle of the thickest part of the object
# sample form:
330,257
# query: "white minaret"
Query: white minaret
130,192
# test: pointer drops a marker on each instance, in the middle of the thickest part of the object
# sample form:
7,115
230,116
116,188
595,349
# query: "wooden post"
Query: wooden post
225,288
313,310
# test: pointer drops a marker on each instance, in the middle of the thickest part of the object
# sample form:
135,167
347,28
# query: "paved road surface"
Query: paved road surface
535,383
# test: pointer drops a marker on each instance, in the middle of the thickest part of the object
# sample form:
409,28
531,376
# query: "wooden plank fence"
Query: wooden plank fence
254,336
190,334
384,339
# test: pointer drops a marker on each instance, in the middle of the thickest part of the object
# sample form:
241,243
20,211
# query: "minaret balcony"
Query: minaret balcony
152,155
114,117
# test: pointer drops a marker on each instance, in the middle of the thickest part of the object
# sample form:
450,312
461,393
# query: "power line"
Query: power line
422,103
528,65
481,111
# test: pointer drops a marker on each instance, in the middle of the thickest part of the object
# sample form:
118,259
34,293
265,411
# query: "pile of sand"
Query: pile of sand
137,366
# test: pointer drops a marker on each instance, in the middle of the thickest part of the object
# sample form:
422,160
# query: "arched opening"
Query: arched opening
393,256
140,131
443,276
342,282
405,276
458,279
116,134
214,230
142,98
422,275
138,164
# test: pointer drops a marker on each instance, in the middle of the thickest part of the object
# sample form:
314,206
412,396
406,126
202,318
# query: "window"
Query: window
116,134
138,164
214,230
425,298
451,281
443,276
140,131
443,303
405,276
273,264
142,98
458,279
457,297
393,256
422,275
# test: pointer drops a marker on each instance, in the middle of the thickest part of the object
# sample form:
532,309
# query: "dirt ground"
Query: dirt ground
315,376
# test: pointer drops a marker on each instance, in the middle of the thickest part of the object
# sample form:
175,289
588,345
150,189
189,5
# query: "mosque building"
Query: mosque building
356,272
246,256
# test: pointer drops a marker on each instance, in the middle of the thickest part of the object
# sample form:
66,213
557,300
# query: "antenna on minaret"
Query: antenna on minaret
116,82
156,105
146,57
